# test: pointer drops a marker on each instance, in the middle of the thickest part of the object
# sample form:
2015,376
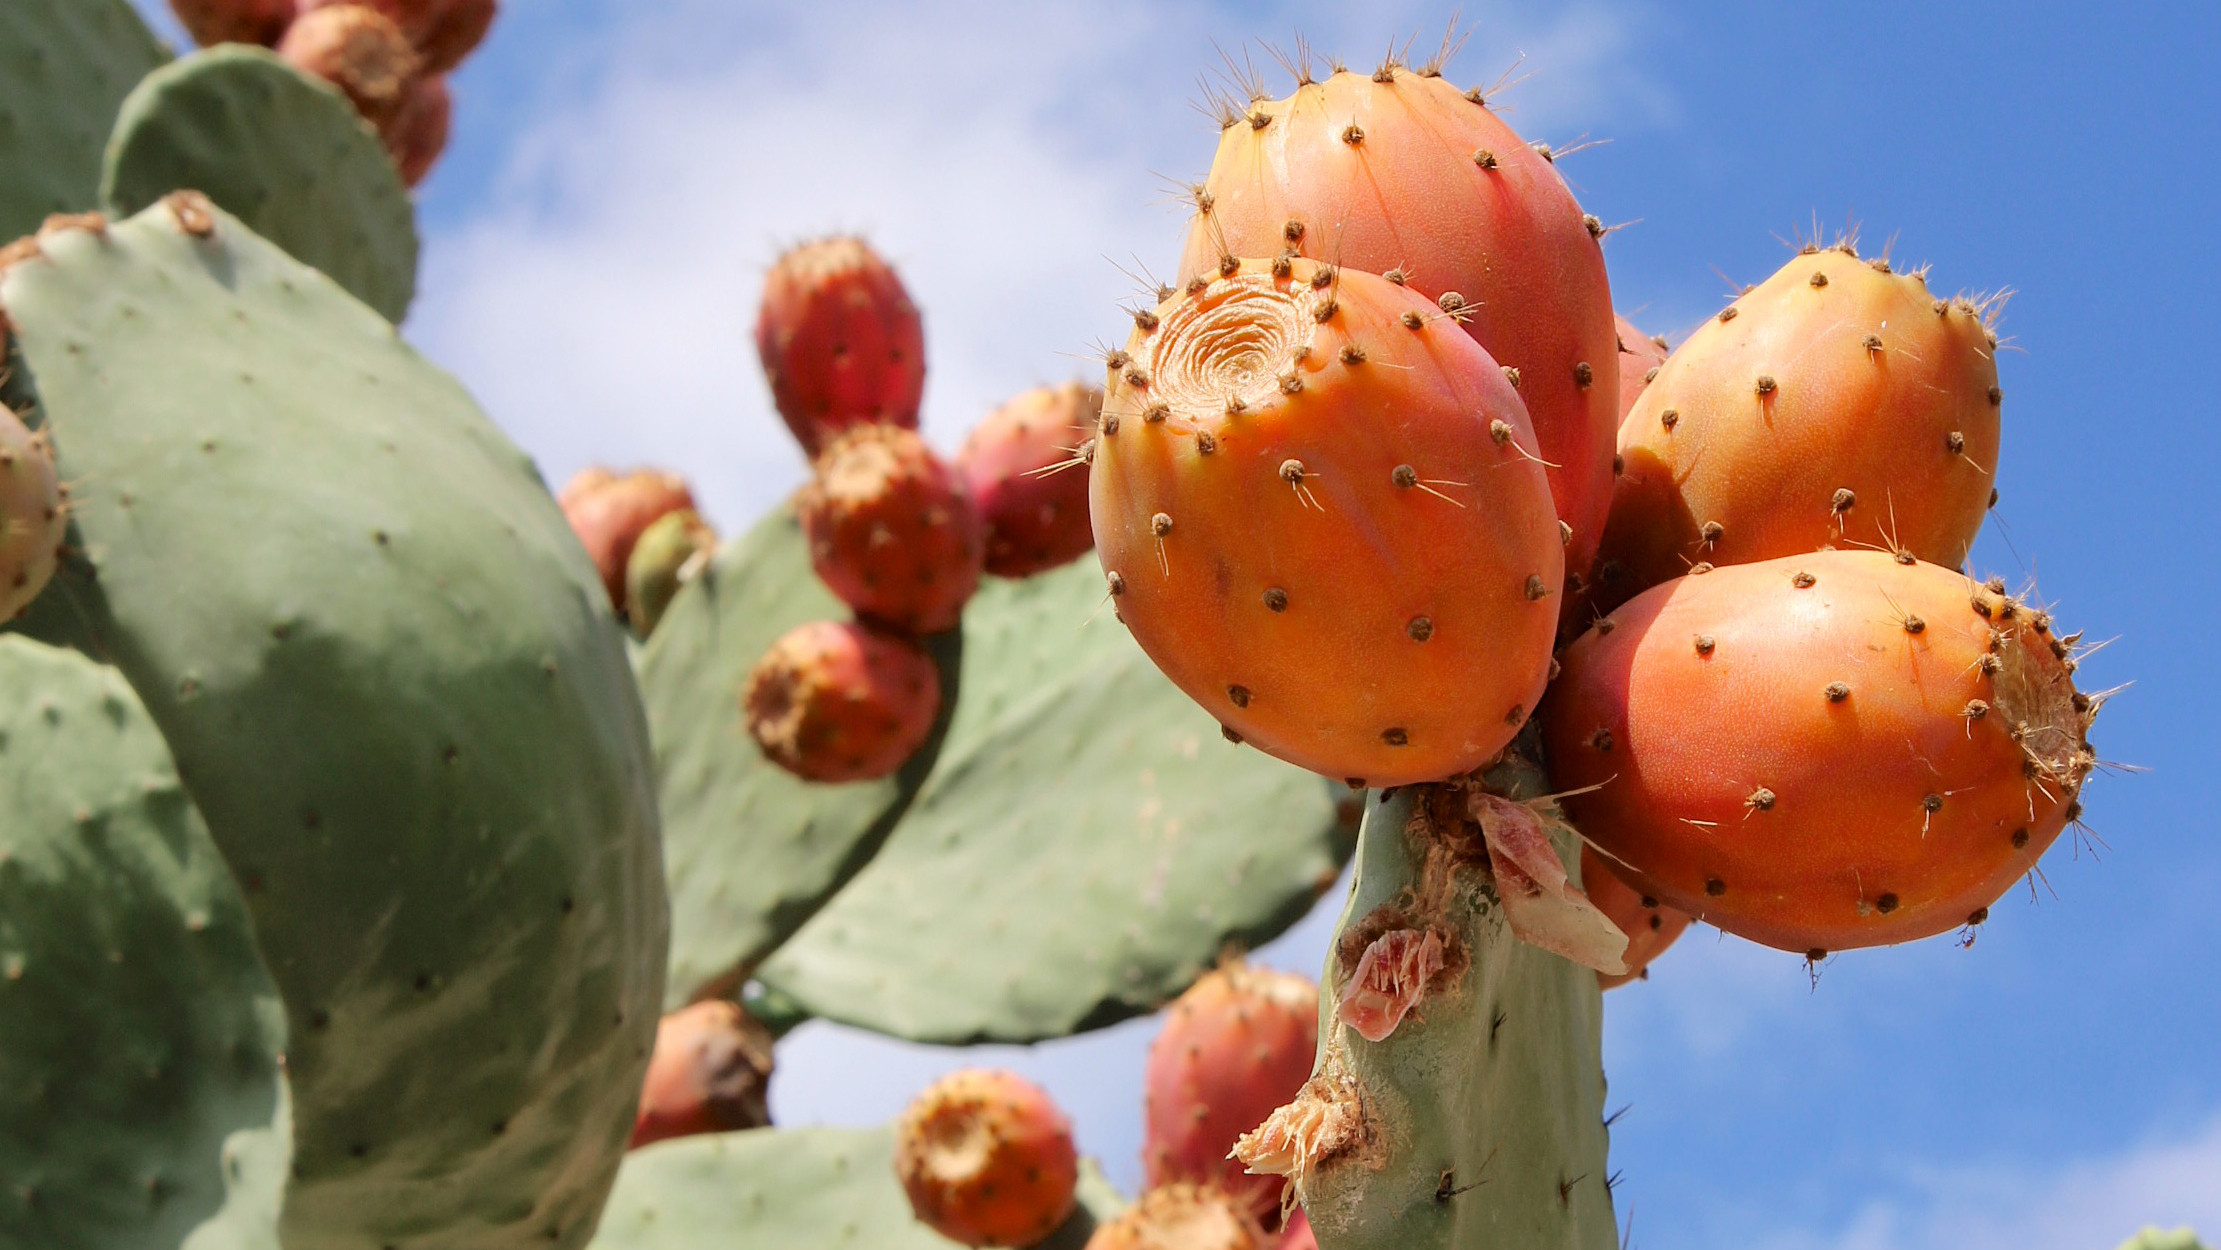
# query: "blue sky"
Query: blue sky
623,173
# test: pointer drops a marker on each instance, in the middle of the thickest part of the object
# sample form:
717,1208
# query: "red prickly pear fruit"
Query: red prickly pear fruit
418,133
1837,404
1640,357
1322,514
1825,751
1650,925
1181,1216
1029,479
892,529
443,32
1398,172
833,701
1297,1234
710,1073
1233,1048
609,513
668,555
987,1159
34,512
358,50
840,341
211,22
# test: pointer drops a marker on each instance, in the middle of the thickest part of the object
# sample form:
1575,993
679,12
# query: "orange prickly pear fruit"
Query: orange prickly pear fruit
893,530
1824,751
442,31
836,701
358,50
1233,1048
840,341
1029,481
1398,172
1640,357
709,1073
1837,403
609,513
1181,1216
1650,925
211,22
1320,510
418,133
987,1159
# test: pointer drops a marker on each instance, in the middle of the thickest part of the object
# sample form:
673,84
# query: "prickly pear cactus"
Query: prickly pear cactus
65,68
1087,844
396,692
753,851
827,1189
142,1032
284,152
1479,1120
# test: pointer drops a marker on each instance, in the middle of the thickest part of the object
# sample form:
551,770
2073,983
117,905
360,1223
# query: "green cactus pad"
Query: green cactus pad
1087,845
1484,1109
139,1029
65,67
752,850
396,691
818,1188
284,152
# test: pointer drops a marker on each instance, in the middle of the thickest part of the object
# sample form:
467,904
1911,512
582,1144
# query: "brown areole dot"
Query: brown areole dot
1291,472
1110,424
1204,443
1975,709
2020,837
1670,418
1601,739
1535,587
1728,313
1932,803
1500,430
1802,580
1709,533
1239,695
1230,735
1276,599
1997,396
1352,354
1404,475
1594,225
1978,915
1353,134
1160,524
1291,384
1765,383
1837,692
1413,319
1155,414
1819,279
1705,644
1117,582
1420,628
1325,313
1144,319
1914,624
1395,737
1714,886
1516,715
1845,499
1955,442
1511,375
1582,373
1700,568
1322,277
1483,157
1760,800
1292,231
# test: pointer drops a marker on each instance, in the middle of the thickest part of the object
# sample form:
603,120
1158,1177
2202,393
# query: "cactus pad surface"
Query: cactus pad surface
1086,846
398,696
142,1031
828,1189
283,152
752,850
65,68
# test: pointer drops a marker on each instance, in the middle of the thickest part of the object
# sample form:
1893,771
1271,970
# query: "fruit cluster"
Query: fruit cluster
391,58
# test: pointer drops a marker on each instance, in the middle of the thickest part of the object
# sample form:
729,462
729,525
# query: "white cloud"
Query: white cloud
2089,1204
599,302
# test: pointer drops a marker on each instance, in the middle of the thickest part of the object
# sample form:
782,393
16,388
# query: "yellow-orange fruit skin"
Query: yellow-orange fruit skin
1640,358
1181,1216
1436,185
987,1159
1650,925
1849,412
1384,609
1820,752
